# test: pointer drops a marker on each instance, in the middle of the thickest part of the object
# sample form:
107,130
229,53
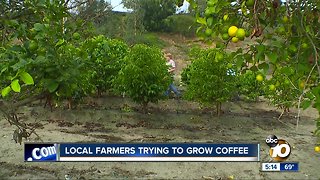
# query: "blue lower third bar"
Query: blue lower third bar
159,152
289,166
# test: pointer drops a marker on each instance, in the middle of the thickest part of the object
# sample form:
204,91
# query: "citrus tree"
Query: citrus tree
38,49
104,59
145,77
282,34
209,79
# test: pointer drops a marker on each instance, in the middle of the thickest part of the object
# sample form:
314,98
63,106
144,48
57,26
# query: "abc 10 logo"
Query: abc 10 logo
279,149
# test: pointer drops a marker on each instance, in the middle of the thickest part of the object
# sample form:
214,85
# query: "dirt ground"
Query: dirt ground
115,119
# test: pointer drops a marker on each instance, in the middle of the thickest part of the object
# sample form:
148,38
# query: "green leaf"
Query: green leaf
248,58
317,106
5,91
13,23
240,61
209,21
193,4
201,21
38,26
263,66
272,57
254,68
60,42
287,70
3,70
244,8
260,54
26,78
52,86
15,85
316,92
310,95
305,104
309,30
40,59
199,29
19,64
318,123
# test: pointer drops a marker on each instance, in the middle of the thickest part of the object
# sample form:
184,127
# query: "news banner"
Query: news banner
162,152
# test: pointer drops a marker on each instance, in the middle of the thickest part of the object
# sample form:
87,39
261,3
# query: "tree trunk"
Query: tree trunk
144,107
9,110
218,107
70,103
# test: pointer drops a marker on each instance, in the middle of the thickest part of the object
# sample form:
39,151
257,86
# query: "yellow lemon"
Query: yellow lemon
301,84
259,78
272,87
235,39
232,31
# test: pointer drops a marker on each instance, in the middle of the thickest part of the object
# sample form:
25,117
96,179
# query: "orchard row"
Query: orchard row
72,69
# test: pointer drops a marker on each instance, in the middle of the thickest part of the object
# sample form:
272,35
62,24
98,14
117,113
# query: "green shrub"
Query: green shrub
209,79
104,57
145,76
149,39
183,24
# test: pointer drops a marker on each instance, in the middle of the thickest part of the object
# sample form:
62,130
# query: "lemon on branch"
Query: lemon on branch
208,32
235,39
232,31
249,3
293,49
33,45
272,87
285,19
301,84
76,36
240,34
259,78
224,29
281,30
219,56
225,36
304,45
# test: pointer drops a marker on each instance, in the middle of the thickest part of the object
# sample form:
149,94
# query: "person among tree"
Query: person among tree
171,68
